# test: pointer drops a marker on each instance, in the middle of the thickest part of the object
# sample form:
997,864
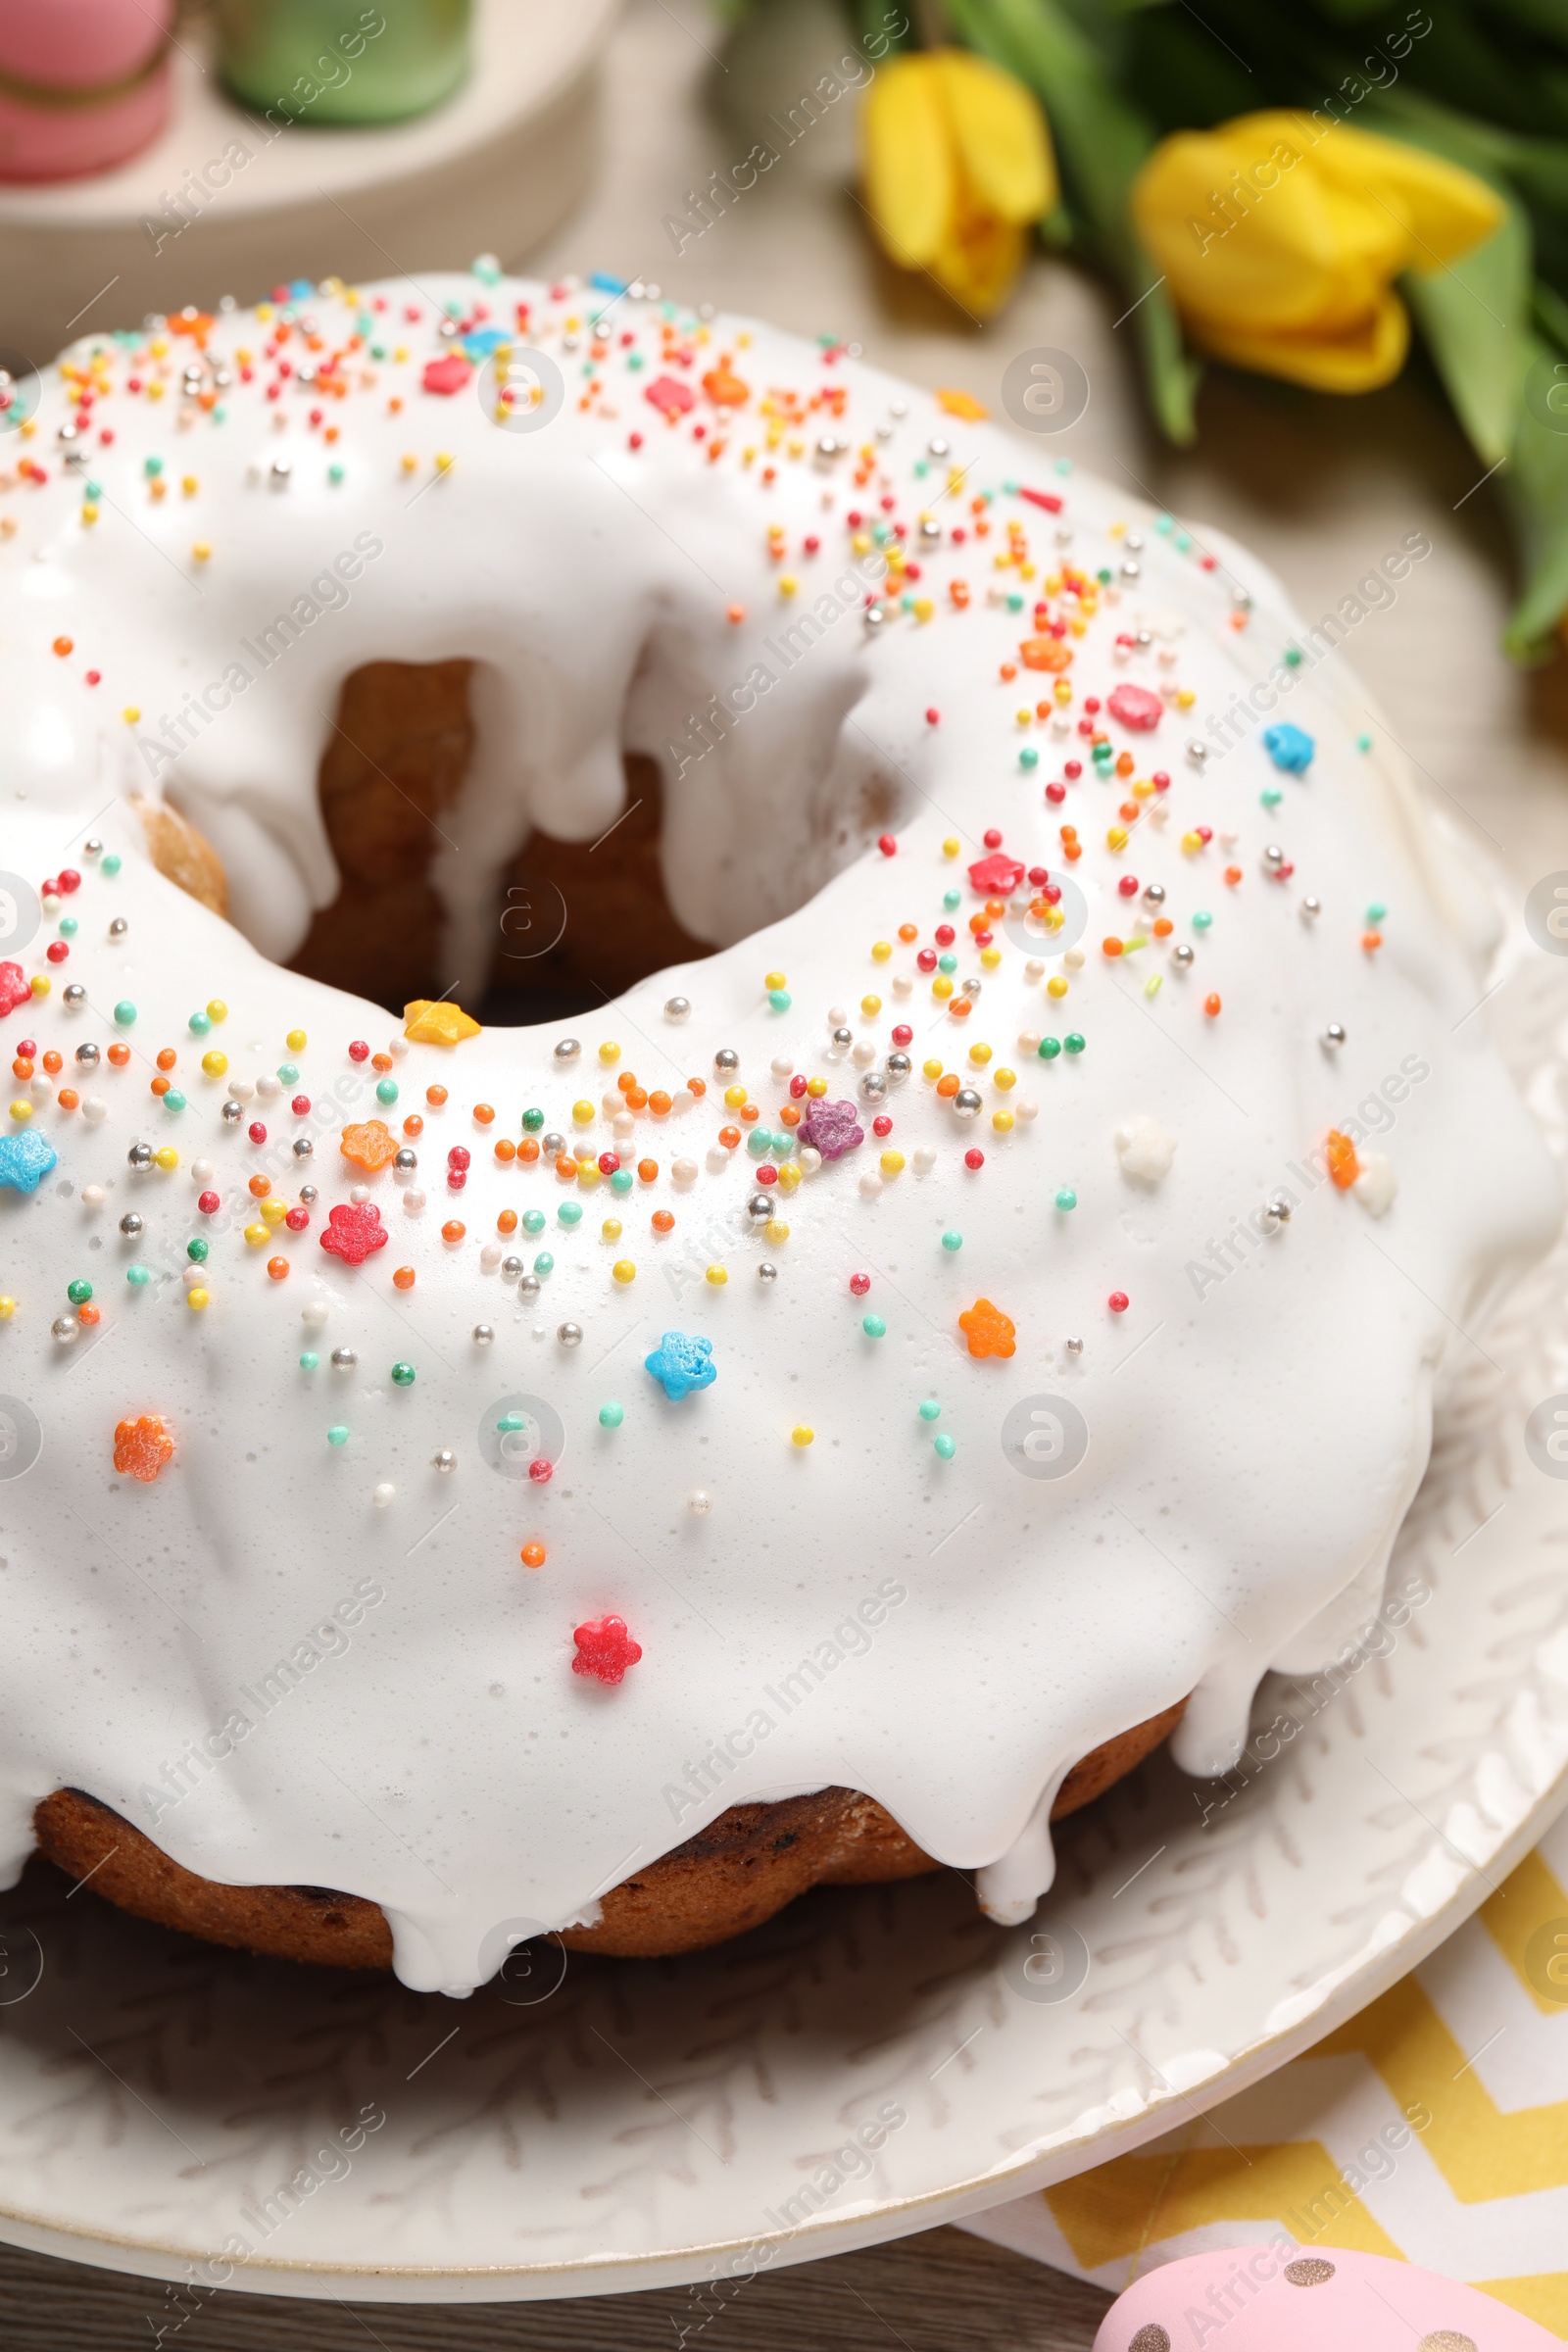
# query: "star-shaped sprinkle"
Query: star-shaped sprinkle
353,1230
724,389
682,1363
1290,747
24,1159
447,374
997,872
988,1330
142,1446
369,1146
1136,707
438,1024
670,396
832,1128
604,1648
14,989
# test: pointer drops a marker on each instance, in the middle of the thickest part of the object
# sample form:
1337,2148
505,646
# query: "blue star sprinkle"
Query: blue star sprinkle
26,1160
682,1363
1290,747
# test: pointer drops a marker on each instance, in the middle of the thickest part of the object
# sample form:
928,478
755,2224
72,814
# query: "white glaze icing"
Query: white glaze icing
949,1635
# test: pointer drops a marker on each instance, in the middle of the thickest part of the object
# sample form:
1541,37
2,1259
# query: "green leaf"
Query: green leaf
1103,142
1536,488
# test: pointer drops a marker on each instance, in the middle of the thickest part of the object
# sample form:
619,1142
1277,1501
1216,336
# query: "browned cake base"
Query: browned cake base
733,1875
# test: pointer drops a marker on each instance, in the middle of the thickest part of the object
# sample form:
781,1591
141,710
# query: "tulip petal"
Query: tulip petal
979,259
1359,360
1003,146
910,174
1442,210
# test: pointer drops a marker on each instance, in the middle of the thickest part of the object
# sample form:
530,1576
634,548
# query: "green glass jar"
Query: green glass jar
342,60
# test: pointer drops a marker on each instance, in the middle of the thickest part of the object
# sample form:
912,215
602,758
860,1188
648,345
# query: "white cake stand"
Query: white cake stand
494,171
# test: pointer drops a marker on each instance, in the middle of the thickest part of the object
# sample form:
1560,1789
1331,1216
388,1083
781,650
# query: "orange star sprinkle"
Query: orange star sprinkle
369,1146
142,1446
1343,1167
990,1331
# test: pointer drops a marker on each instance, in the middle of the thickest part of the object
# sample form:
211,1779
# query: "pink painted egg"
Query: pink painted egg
1279,2298
83,85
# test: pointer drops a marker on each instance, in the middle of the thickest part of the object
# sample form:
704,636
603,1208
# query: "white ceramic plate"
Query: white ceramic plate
649,2123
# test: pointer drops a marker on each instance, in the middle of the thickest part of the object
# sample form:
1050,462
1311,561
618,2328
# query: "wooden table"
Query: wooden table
1322,489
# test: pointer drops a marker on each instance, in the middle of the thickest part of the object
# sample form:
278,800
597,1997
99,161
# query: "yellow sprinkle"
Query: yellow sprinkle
1055,986
610,1052
8,1307
274,1210
772,979
40,984
410,461
89,514
734,1096
1192,842
22,1110
1154,984
1062,690
167,1156
980,1053
588,1174
202,550
1186,699
892,1162
815,1087
799,1435
1023,714
1001,1121
623,1270
870,1006
942,986
256,1234
931,1069
776,1230
215,1064
789,1176
1116,837
435,1024
131,713
217,1010
582,1111
788,584
1005,1079
197,1299
881,950
990,957
610,1229
187,482
718,1276
923,607
951,847
444,461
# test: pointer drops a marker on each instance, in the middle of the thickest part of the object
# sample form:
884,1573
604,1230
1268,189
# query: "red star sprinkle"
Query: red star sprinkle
670,396
447,375
604,1648
142,1446
13,987
1135,707
995,874
353,1230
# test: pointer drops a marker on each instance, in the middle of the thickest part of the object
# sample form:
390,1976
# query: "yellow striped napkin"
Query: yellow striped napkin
1434,2127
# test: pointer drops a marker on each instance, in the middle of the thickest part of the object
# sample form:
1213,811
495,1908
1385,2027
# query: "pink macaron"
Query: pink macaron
83,85
1281,2298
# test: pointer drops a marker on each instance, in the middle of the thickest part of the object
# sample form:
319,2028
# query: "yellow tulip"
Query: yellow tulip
957,164
1280,235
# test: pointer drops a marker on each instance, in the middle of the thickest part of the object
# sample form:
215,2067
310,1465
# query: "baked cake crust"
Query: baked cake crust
746,1865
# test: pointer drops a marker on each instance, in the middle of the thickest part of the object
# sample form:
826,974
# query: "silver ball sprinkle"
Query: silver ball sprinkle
844,1039
344,1360
1132,569
1334,1035
309,1194
484,1335
938,447
1073,1346
443,1460
899,1067
873,618
1277,1213
930,530
569,1333
965,1102
1312,909
677,1009
726,1060
76,996
232,1113
139,1157
768,1271
303,1148
66,1329
282,467
873,1086
406,1161
1181,957
1135,542
569,1050
529,1285
1273,854
552,1145
92,847
131,1224
1154,895
760,1207
510,1268
970,989
87,1055
118,927
1197,751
